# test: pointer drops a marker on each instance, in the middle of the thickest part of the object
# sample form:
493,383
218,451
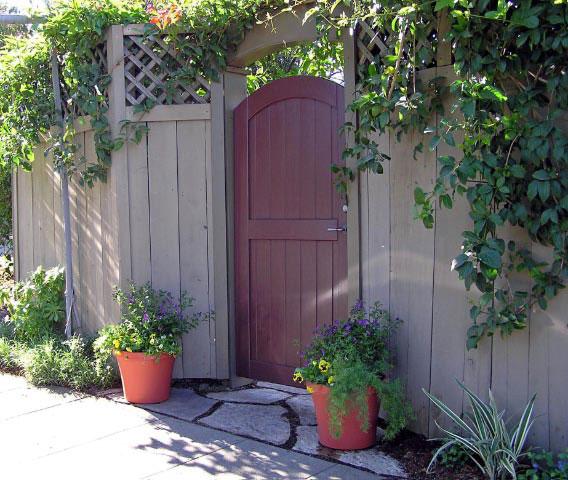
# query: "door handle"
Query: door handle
340,229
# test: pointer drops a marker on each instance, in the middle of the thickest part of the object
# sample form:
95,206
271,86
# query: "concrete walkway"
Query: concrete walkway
55,434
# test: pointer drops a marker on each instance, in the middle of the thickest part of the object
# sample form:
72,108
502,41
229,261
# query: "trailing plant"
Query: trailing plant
494,447
36,307
505,113
546,466
350,357
152,322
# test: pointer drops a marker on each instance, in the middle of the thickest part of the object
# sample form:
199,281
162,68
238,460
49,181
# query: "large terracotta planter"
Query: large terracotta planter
145,378
352,435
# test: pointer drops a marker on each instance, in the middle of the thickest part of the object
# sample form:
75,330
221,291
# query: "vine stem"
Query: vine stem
401,37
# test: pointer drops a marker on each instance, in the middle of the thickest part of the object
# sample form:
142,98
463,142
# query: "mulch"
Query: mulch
415,452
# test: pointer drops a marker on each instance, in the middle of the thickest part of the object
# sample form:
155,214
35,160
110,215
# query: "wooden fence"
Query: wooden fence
163,217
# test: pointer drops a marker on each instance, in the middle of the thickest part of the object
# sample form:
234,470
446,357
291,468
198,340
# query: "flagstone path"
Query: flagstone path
263,432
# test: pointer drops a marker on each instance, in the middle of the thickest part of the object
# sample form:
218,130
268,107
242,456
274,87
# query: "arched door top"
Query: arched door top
315,88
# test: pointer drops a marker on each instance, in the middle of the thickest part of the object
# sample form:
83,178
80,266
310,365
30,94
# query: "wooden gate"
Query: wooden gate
290,239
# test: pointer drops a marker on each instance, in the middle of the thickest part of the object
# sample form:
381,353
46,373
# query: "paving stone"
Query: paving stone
134,453
11,382
264,396
21,401
263,422
303,405
249,460
183,403
283,388
371,459
343,472
68,425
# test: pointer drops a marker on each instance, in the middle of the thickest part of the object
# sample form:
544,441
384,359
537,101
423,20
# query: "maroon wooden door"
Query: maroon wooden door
291,258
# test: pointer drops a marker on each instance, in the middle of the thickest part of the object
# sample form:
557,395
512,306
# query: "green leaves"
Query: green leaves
490,257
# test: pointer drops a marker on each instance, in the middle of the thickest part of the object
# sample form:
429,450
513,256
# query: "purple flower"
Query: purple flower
145,317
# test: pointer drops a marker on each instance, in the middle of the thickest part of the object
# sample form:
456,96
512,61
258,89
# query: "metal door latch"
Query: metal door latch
340,229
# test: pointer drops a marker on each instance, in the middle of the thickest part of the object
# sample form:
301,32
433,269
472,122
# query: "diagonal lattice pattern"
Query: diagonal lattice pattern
372,45
149,66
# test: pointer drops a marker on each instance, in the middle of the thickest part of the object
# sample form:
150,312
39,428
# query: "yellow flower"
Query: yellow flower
331,379
128,349
116,344
324,366
298,377
310,389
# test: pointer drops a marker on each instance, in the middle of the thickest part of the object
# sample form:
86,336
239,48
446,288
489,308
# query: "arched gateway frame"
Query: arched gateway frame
286,30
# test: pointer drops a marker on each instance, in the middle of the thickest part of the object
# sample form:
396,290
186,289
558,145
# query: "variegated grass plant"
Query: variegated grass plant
495,447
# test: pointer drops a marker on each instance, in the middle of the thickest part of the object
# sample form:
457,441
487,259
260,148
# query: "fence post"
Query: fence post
117,234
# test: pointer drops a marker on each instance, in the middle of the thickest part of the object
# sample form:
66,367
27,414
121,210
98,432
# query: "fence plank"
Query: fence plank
139,211
412,264
193,233
163,196
25,223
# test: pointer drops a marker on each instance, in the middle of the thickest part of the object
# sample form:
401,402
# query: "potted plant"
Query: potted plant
146,341
345,370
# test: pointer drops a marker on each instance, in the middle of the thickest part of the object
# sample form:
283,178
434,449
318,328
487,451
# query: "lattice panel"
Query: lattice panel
372,45
148,67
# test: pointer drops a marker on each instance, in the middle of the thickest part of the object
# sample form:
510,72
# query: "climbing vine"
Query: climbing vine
508,118
503,114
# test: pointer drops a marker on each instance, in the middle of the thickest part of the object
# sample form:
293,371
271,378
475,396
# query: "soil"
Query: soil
415,453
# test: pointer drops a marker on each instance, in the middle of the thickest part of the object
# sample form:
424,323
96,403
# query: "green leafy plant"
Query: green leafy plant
152,322
546,466
494,447
36,307
70,363
350,357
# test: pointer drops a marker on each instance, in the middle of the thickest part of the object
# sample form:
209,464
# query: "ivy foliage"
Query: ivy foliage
504,121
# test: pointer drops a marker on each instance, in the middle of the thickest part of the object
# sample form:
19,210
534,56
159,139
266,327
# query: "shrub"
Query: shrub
544,466
152,322
7,360
484,435
36,307
69,364
350,357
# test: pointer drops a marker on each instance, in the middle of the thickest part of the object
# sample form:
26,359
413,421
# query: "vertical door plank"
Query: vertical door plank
193,233
293,302
277,295
308,177
163,196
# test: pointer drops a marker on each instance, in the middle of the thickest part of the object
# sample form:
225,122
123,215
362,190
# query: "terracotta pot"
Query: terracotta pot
352,435
145,378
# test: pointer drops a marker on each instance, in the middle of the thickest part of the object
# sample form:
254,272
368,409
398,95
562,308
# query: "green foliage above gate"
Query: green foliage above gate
505,115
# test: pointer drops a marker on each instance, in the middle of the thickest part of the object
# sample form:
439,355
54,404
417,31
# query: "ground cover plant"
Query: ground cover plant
32,340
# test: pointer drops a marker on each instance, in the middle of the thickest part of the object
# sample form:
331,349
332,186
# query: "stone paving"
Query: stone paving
56,434
276,414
